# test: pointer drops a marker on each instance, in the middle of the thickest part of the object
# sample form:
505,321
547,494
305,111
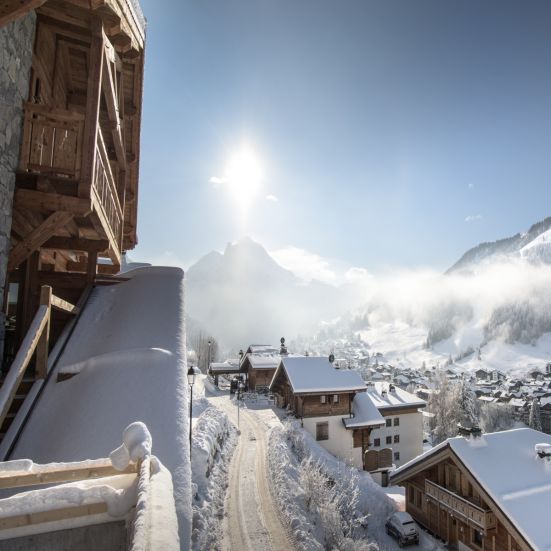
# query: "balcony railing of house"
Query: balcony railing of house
52,145
461,507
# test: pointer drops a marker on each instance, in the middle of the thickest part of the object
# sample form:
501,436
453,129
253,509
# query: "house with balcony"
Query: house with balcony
486,492
259,364
69,170
332,406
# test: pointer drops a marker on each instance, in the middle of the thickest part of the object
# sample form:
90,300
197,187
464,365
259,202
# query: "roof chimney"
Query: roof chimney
283,349
543,451
331,358
475,432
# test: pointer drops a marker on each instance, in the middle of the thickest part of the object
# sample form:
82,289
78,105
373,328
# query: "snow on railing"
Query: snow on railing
147,501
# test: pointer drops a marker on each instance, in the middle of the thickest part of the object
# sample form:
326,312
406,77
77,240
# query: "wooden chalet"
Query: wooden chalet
76,188
490,492
259,364
331,404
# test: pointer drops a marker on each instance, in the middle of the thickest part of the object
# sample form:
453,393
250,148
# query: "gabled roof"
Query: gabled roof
383,398
506,466
365,413
263,361
311,374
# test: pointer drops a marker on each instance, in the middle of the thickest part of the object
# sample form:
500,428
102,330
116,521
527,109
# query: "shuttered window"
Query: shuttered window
322,431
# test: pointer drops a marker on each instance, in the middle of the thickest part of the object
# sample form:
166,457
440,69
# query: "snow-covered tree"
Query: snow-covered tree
496,417
468,410
534,421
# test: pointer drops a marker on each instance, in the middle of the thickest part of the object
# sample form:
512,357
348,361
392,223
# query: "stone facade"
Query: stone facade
16,49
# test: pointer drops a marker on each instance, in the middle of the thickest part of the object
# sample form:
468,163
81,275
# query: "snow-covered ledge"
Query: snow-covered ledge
131,486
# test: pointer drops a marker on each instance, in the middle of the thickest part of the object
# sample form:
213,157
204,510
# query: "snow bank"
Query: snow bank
128,348
292,446
214,440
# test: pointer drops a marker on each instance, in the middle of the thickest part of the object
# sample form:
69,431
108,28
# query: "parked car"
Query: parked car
401,526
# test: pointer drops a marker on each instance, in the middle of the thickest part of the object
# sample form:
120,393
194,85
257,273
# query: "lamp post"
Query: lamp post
208,363
190,381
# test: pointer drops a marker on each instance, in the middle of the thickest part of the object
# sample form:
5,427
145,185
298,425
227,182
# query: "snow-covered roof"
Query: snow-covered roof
316,374
224,367
128,352
383,398
365,413
524,498
264,361
262,349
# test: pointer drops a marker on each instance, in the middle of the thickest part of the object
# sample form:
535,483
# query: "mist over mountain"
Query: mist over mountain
243,295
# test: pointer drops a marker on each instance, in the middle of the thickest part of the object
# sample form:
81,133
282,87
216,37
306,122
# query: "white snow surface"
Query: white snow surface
382,397
129,346
316,374
521,486
365,412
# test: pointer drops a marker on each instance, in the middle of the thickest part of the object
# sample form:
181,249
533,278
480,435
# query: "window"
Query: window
396,438
411,494
323,399
396,421
322,431
377,442
335,398
477,538
396,456
389,422
389,439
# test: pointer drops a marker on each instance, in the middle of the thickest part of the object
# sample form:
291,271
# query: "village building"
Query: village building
403,428
331,404
259,363
457,492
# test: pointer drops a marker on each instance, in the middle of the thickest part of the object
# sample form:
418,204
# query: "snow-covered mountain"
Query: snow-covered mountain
243,295
534,245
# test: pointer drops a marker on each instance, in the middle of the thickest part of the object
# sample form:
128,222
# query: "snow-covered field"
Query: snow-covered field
403,346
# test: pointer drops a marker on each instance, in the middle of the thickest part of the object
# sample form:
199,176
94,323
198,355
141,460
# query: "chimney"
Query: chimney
391,388
543,451
331,358
475,432
283,348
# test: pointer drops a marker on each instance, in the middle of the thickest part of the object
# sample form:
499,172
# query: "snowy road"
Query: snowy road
251,521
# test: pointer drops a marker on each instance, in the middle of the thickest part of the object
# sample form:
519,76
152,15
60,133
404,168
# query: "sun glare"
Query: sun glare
244,175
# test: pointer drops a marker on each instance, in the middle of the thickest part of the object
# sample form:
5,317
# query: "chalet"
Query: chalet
333,406
456,491
260,362
71,87
403,428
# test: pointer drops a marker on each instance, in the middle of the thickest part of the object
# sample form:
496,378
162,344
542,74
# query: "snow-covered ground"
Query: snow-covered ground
403,346
289,448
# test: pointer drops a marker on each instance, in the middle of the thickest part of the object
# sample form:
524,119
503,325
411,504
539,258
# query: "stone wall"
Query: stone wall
16,47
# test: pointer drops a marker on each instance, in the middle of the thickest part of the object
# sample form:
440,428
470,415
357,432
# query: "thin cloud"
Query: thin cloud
306,265
473,218
217,181
272,198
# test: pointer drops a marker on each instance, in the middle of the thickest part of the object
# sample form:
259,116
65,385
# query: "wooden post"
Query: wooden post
93,101
91,267
43,342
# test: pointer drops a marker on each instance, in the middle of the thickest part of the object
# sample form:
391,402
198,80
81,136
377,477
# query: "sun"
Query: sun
244,175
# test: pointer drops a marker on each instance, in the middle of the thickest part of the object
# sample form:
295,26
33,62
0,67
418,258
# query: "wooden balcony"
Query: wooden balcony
461,507
52,152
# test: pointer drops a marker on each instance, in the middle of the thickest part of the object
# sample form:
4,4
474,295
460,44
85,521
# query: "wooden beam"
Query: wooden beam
76,244
14,9
43,201
110,93
44,340
56,473
63,305
93,99
37,238
92,266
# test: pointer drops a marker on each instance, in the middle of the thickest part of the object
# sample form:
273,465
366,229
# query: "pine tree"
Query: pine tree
534,421
468,413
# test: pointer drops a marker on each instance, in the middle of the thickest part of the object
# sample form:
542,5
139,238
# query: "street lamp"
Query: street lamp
190,382
208,364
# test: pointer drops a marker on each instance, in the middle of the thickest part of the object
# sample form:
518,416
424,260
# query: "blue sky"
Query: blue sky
391,132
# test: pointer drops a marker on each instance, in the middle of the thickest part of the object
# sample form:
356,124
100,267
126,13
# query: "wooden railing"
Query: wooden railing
36,340
52,141
483,518
105,190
